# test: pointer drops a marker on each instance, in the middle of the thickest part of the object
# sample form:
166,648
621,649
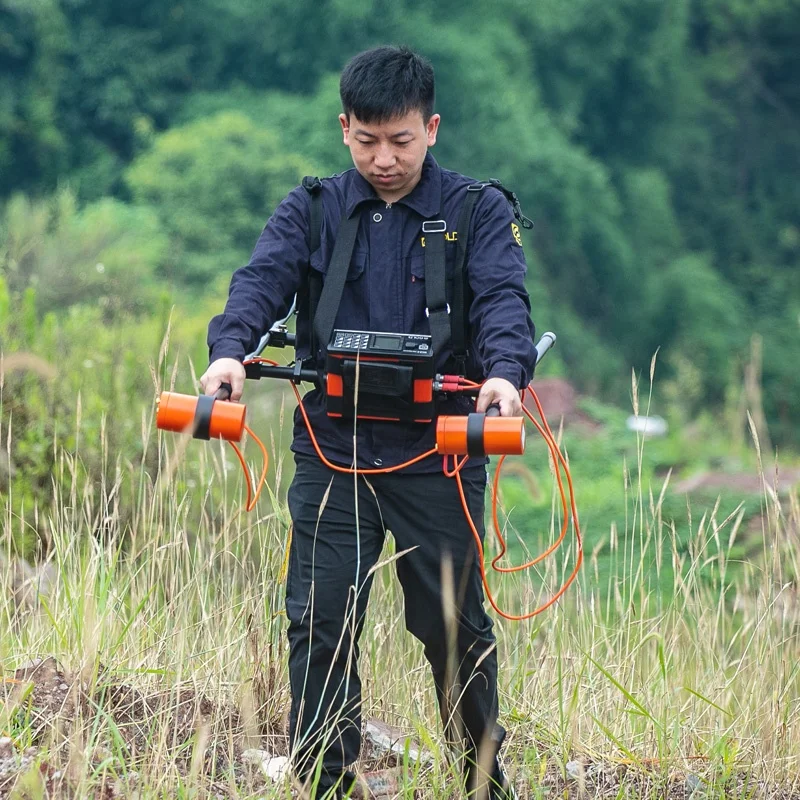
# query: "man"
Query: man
388,123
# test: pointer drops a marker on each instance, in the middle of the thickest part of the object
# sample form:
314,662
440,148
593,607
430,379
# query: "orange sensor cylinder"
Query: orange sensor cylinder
480,435
204,417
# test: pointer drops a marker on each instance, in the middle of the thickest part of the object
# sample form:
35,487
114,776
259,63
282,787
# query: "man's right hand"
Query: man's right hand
224,370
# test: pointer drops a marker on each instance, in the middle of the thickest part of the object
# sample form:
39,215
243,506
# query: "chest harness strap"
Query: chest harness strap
447,312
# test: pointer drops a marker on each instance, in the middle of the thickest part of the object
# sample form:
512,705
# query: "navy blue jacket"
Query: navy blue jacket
385,291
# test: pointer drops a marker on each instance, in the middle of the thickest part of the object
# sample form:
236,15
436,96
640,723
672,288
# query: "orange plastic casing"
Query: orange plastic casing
501,435
176,412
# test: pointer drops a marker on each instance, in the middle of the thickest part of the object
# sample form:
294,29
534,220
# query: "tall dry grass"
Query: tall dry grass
167,620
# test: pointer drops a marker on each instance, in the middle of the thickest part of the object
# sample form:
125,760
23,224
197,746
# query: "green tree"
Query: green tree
102,255
33,149
213,183
641,136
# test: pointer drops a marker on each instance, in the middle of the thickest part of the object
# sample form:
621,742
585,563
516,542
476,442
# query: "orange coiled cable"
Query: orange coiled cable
558,459
559,462
252,499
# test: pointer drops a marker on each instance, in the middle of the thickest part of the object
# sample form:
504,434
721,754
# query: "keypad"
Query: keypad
350,340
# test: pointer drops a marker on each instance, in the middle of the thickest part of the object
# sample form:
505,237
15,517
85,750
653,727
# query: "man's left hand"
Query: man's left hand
499,391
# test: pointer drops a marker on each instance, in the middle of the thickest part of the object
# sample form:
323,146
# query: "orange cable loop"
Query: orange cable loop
559,462
558,458
252,498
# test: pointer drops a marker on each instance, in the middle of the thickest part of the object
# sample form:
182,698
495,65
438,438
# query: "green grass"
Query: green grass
674,654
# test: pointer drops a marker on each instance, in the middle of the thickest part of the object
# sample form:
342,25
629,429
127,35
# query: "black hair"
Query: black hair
387,82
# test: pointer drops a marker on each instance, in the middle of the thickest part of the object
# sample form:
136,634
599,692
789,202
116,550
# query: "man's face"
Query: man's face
390,154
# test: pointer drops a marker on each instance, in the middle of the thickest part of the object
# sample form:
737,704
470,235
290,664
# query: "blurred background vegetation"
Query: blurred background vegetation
655,144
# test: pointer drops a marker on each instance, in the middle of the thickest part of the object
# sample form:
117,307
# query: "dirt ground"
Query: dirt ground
46,706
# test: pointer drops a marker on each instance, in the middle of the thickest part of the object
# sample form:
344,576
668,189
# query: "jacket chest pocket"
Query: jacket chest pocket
416,263
353,311
358,264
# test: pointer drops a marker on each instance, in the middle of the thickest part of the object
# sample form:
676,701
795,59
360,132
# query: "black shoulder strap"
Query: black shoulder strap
460,324
328,306
311,283
460,310
512,198
313,186
437,308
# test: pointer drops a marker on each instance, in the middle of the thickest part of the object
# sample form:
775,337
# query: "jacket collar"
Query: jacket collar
425,198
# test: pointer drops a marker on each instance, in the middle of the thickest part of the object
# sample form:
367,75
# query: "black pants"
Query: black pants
326,598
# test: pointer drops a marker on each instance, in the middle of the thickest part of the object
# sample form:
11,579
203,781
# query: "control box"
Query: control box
383,344
394,372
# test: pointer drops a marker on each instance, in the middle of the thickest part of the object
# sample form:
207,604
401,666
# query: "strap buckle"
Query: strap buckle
434,226
514,200
446,309
312,184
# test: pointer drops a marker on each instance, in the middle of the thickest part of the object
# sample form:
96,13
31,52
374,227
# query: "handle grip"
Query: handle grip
224,392
544,344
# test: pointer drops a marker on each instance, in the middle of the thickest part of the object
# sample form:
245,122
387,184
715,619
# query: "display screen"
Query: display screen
388,342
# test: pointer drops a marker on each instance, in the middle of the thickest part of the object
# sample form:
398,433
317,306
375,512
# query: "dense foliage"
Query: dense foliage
655,143
143,144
